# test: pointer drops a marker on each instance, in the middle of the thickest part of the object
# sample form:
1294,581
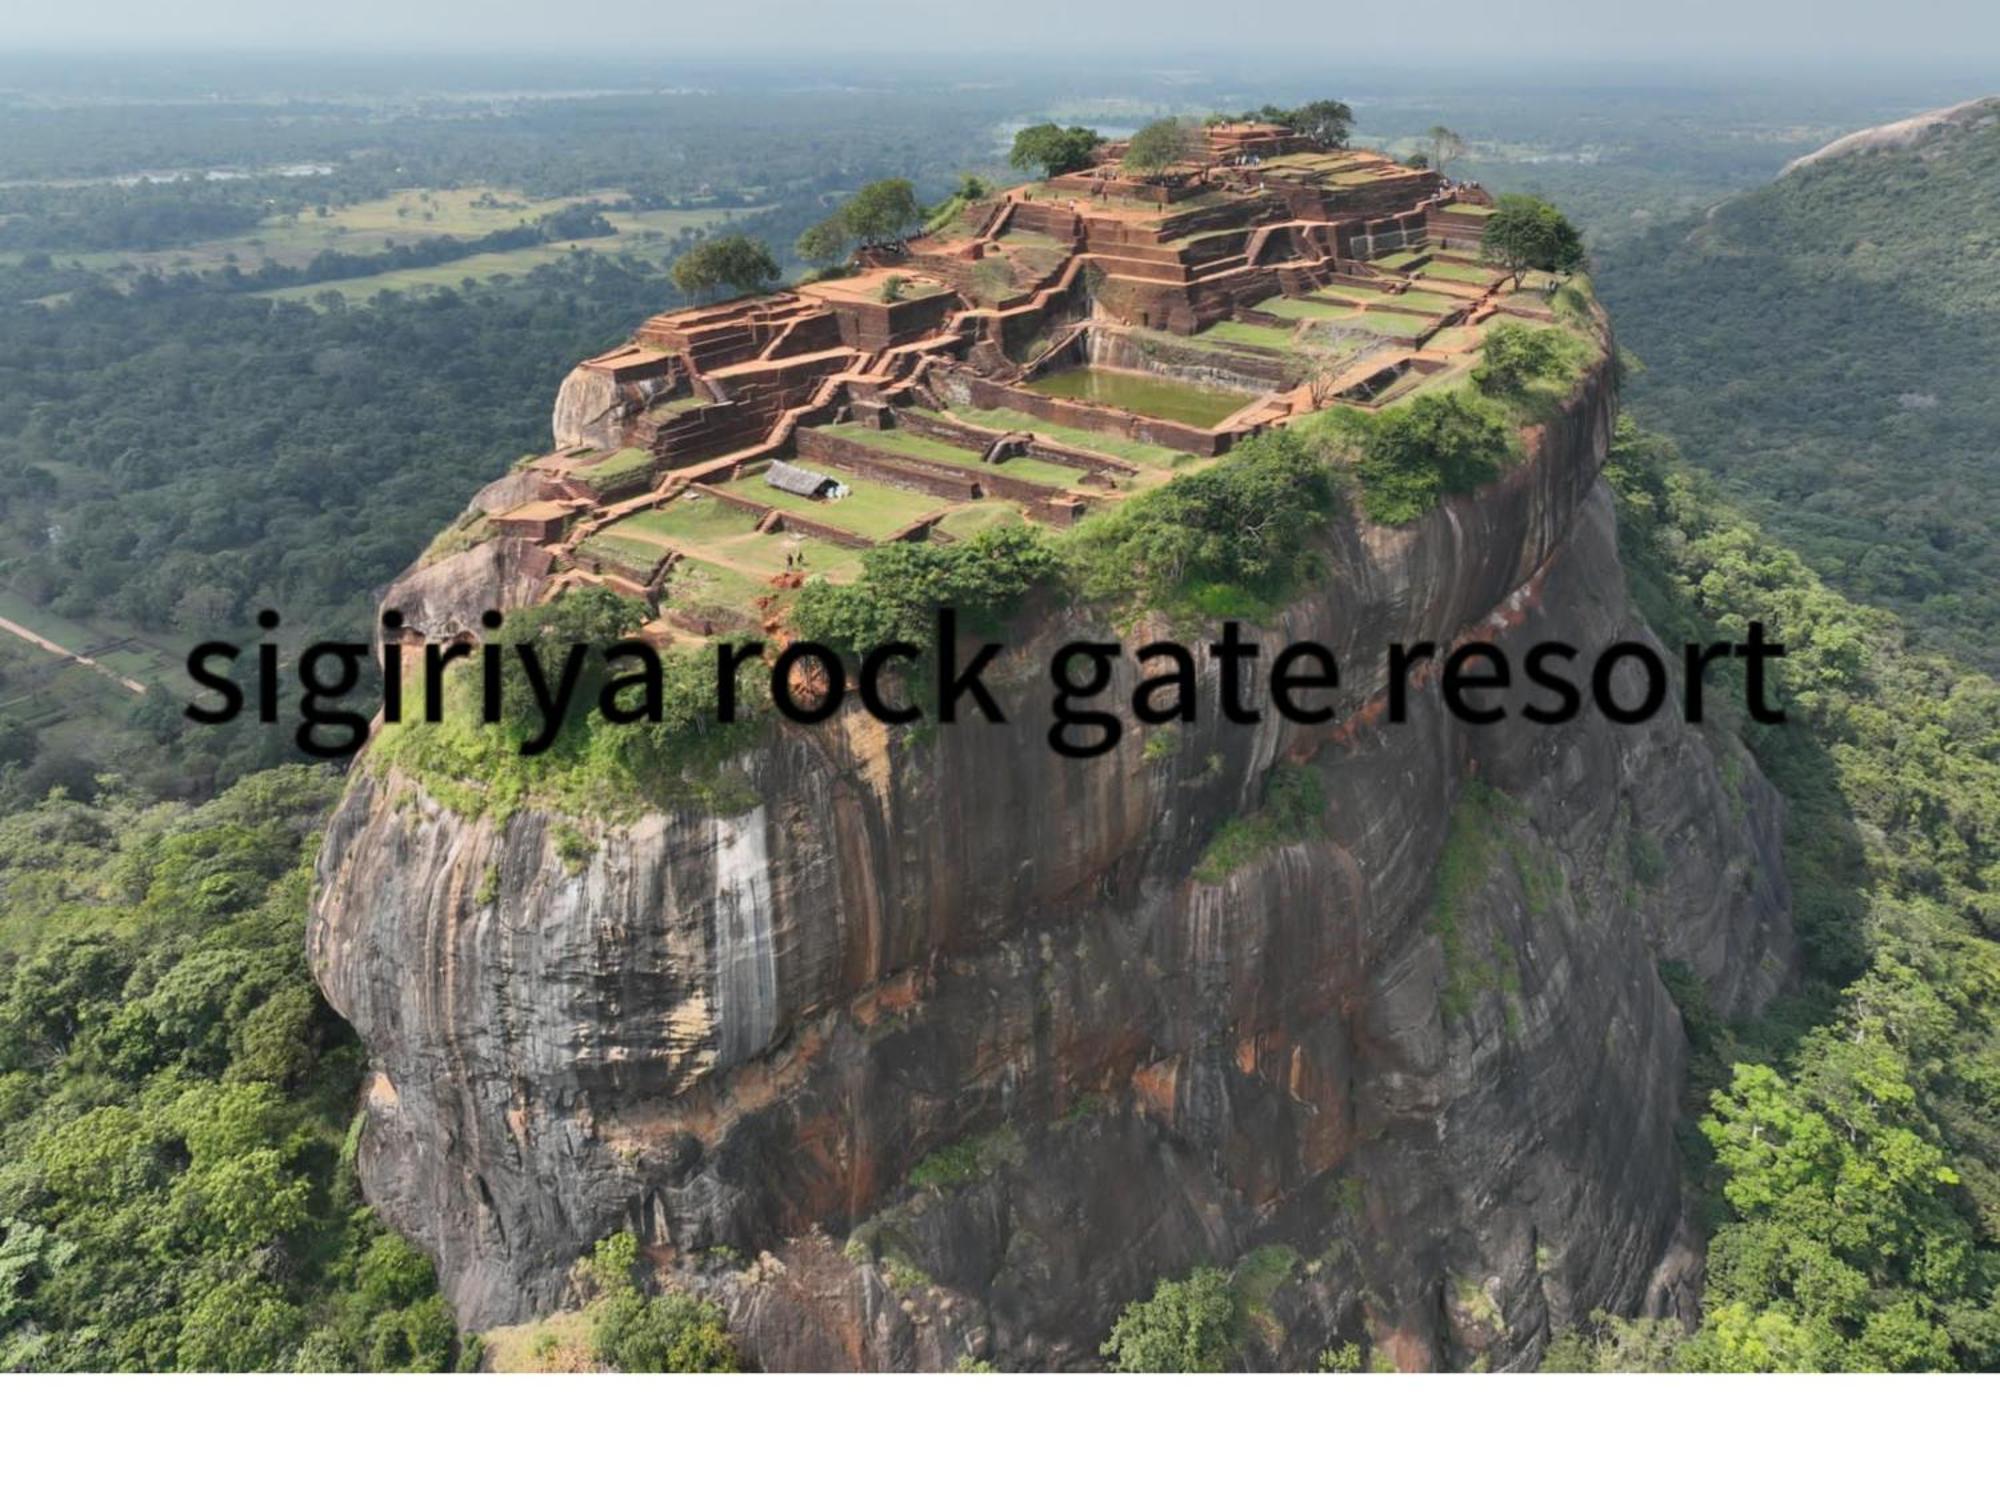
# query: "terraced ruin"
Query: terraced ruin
1049,350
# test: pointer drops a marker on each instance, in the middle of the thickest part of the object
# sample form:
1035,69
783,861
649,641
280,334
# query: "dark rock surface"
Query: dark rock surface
1450,1129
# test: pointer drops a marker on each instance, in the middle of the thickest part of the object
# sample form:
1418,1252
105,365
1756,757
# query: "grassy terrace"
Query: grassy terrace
1324,339
623,467
1431,302
912,444
1144,454
1453,340
873,511
1143,395
1032,239
1406,313
695,519
1248,335
967,520
695,583
1335,318
1390,324
633,550
680,405
728,562
1443,270
1299,307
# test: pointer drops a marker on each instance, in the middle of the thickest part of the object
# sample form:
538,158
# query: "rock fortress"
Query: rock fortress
1050,349
905,1046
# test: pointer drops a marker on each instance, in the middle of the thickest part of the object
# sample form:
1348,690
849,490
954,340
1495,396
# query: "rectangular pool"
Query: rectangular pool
1143,394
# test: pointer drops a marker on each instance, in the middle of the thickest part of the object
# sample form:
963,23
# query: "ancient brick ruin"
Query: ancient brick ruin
1052,348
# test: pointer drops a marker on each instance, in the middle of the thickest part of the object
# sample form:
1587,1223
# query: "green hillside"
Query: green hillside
1829,346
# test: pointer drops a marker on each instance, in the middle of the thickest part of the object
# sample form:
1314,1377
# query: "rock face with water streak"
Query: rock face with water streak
1417,1069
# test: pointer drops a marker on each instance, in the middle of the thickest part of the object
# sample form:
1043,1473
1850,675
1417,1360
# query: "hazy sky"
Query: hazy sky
1719,31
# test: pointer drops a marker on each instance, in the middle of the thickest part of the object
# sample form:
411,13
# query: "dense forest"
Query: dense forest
177,1101
1849,1145
174,454
1830,347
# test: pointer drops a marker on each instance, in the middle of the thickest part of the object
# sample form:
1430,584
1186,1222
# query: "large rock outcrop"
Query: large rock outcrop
1421,1064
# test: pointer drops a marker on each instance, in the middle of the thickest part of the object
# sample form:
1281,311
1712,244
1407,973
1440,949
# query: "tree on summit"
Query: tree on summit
1447,145
881,213
735,260
1527,234
1053,149
1163,144
1325,122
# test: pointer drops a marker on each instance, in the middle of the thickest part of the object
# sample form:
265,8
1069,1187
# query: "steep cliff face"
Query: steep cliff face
1422,1057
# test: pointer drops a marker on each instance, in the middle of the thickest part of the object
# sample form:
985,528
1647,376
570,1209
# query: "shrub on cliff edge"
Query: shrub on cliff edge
1187,1326
904,584
1416,454
1231,539
635,1331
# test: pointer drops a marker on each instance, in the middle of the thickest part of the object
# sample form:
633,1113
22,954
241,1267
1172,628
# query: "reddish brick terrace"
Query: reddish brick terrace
1170,317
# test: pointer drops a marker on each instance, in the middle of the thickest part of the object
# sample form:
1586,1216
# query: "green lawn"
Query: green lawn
1424,304
764,554
695,518
1414,301
634,550
873,511
154,656
1032,239
63,702
622,467
1472,275
968,520
1249,335
1388,324
694,584
1453,339
1144,454
1294,306
1144,394
930,449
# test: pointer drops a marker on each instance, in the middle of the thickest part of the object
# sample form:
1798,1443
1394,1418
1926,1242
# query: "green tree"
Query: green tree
735,260
827,244
666,1333
1157,148
1187,1326
902,586
882,213
1241,526
176,1169
1524,233
1512,357
634,1331
595,618
1325,122
1446,146
1858,1180
1053,149
1414,454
